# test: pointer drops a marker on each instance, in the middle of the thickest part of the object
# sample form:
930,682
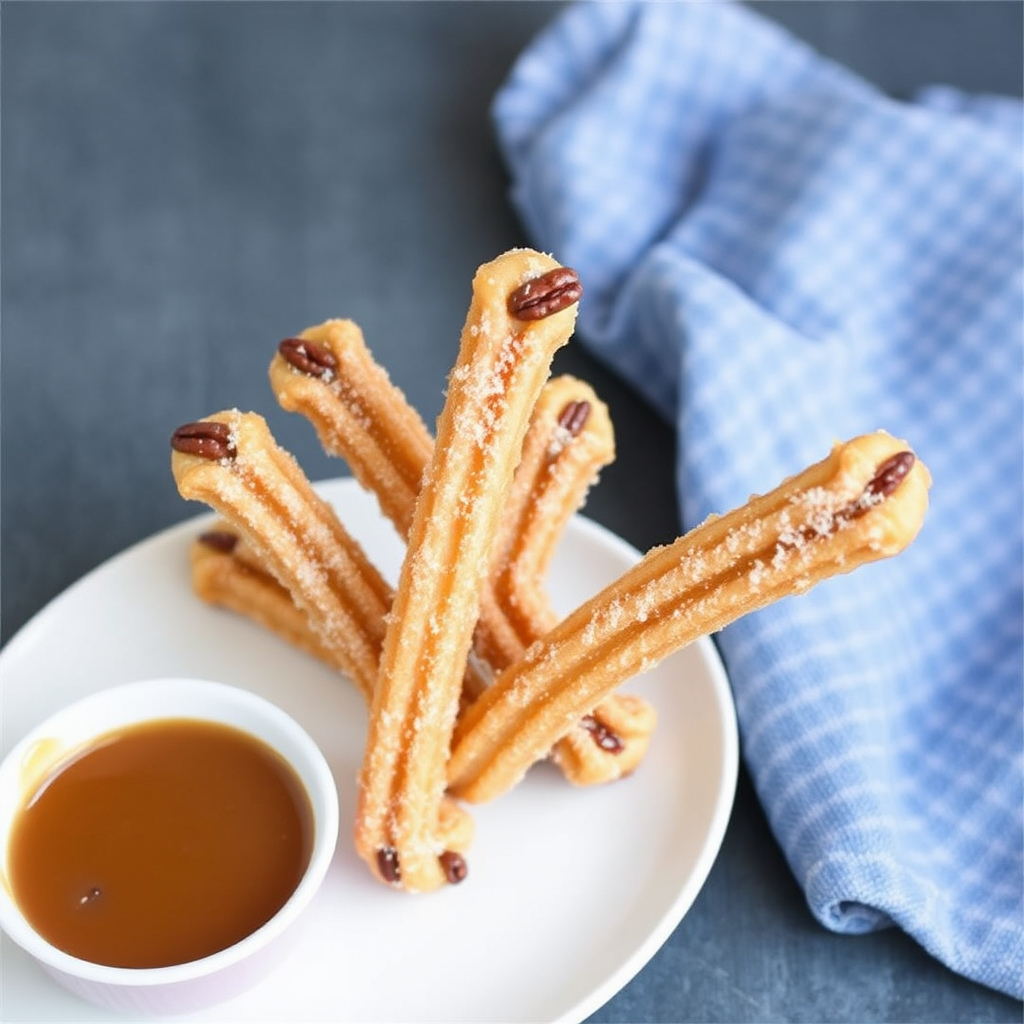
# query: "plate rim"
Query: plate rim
335,489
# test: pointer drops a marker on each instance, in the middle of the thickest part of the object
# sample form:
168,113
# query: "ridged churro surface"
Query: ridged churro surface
569,441
523,309
283,558
482,510
328,374
231,462
863,502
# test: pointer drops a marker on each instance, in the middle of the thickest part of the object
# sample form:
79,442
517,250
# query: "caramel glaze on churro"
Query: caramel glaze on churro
864,502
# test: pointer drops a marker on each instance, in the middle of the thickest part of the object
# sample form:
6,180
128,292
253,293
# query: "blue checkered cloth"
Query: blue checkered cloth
777,256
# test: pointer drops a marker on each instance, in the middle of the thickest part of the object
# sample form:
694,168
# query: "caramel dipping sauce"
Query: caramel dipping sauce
160,843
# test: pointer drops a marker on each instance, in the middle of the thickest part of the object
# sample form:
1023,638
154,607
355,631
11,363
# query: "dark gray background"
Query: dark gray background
185,184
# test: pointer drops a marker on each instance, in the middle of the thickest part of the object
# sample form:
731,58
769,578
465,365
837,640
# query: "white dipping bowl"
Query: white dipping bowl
180,988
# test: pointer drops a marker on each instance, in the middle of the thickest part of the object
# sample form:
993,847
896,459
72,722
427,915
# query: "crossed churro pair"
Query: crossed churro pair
362,417
463,576
329,375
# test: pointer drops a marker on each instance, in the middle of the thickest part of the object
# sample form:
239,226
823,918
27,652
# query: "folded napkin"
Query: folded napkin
777,256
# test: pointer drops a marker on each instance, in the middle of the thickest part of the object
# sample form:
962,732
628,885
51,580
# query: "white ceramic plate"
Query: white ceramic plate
570,891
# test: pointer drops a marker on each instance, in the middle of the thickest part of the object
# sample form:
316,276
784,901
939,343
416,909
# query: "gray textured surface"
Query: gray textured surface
185,184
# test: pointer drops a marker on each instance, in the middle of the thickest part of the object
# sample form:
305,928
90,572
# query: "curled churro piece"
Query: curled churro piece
864,502
328,374
228,573
523,309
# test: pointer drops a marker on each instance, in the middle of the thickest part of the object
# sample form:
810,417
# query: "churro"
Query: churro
328,374
228,574
569,440
324,594
863,502
231,462
523,309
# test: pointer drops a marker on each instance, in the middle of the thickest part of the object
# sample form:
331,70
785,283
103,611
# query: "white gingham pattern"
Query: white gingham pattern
778,256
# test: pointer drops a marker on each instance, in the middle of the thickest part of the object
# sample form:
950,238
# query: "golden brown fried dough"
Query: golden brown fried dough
523,309
863,502
328,596
328,374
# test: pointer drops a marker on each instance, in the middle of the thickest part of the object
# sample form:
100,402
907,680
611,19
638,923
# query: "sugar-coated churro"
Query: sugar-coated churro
482,510
231,462
523,309
569,441
865,501
328,374
324,594
228,574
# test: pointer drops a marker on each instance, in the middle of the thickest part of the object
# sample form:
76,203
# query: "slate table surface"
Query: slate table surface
183,183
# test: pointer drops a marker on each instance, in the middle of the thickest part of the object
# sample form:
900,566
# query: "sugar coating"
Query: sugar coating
726,567
438,594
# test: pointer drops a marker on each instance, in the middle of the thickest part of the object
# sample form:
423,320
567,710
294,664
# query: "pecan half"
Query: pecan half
602,735
454,865
889,475
219,540
573,417
308,357
387,864
546,295
206,438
